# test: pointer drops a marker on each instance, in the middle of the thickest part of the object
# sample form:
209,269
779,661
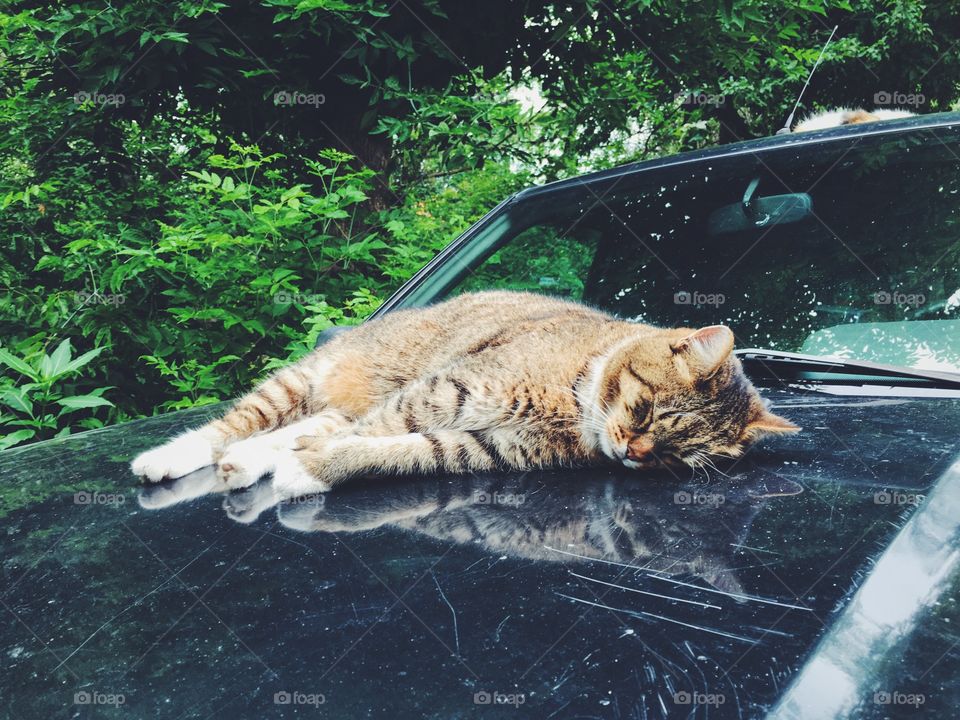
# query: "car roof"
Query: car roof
749,147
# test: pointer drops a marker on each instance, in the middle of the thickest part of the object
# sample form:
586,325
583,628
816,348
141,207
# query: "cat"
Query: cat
844,116
484,381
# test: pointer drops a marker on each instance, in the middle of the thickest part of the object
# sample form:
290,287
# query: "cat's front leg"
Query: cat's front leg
281,399
180,456
245,462
318,465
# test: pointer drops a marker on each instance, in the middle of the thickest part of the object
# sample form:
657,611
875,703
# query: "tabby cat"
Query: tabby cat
485,381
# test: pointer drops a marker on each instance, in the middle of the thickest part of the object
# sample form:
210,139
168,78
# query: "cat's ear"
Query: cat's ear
769,424
705,350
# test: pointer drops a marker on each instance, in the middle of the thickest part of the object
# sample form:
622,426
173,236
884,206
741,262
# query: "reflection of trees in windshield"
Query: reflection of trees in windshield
880,248
925,344
540,259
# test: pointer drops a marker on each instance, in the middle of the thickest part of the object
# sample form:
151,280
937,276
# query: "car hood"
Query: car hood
602,592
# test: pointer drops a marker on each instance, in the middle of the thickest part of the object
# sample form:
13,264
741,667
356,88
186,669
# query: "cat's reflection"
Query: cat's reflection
656,524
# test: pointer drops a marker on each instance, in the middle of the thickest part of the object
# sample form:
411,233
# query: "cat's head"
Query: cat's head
678,397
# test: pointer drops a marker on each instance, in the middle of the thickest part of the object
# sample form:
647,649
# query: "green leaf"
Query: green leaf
21,366
7,441
58,360
80,361
18,400
77,402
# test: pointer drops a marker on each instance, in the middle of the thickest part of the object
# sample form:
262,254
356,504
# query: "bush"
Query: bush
186,284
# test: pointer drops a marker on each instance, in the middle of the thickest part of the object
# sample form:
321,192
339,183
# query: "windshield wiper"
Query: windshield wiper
795,367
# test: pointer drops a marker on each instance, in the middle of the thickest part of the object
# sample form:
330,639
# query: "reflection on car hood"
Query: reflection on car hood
599,592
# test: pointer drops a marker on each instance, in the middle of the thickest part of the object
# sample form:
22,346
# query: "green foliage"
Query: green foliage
539,259
42,400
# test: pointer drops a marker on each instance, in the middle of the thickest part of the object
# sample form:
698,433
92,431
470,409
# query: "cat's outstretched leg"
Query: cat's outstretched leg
282,398
245,461
318,465
411,433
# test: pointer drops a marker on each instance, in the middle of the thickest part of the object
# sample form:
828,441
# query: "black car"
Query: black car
816,577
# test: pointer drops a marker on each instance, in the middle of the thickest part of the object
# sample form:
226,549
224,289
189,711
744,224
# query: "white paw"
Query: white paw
245,462
291,479
176,458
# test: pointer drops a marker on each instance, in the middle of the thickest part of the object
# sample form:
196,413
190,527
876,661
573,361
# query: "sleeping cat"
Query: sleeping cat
485,381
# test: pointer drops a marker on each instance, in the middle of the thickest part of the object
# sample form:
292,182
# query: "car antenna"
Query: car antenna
786,126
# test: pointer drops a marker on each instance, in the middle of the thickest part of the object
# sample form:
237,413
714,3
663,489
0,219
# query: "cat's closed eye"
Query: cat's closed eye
641,415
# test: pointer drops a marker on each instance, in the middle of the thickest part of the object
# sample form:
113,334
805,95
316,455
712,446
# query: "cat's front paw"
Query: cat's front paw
176,458
245,462
291,478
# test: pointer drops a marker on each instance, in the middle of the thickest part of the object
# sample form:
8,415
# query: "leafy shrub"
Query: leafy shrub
189,284
44,405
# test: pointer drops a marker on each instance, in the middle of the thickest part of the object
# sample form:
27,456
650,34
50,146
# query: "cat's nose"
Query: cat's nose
640,448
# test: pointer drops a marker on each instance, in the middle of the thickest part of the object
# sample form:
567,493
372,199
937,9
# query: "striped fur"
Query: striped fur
485,381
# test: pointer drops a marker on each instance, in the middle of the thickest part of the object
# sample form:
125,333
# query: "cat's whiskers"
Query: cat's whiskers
701,460
707,462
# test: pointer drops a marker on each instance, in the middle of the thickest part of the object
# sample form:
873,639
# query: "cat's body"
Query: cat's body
481,382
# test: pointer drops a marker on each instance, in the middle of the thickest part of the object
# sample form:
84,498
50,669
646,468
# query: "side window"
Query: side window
542,258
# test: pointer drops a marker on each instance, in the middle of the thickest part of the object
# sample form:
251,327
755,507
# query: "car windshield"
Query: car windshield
846,249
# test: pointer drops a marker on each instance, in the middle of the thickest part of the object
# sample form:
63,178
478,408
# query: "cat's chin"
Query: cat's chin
652,464
642,464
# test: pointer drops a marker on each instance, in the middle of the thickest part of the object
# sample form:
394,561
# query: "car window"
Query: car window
542,258
849,249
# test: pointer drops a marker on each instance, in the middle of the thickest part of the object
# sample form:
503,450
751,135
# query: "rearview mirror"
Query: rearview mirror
756,213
